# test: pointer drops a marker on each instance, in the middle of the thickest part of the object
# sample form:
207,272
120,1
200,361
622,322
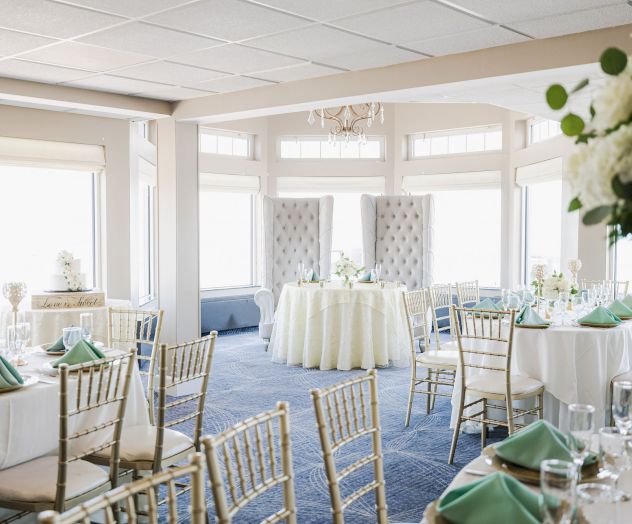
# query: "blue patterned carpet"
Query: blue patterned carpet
245,382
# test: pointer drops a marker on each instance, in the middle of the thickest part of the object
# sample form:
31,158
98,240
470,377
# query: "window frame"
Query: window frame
534,121
250,139
447,133
324,138
151,248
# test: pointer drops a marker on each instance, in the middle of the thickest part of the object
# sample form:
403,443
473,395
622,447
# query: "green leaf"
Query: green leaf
580,86
597,215
583,138
556,96
592,112
620,189
613,61
572,125
574,205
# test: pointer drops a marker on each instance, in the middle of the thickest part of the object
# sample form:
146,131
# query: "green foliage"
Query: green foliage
574,205
613,61
620,189
597,215
572,125
580,86
556,96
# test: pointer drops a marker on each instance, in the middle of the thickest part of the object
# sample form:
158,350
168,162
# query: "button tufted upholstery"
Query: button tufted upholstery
295,230
397,233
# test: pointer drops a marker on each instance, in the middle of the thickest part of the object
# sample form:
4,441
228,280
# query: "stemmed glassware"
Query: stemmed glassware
300,271
18,336
563,299
378,272
70,336
505,298
557,497
621,404
86,324
614,454
581,426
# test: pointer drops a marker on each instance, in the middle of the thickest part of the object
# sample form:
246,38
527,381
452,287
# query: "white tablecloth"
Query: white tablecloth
29,417
336,327
576,365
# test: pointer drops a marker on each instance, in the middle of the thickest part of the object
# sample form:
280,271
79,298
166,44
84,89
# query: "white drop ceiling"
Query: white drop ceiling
179,49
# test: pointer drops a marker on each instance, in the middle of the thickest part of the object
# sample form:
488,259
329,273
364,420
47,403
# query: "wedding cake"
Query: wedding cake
67,275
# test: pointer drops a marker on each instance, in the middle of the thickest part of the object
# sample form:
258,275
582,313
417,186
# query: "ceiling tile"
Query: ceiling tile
175,93
131,8
577,22
299,72
331,9
116,84
513,10
89,57
382,56
138,37
232,83
12,42
169,73
25,70
412,22
52,19
316,43
468,41
227,19
236,59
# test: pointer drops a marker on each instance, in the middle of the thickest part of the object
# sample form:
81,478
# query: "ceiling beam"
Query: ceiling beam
378,83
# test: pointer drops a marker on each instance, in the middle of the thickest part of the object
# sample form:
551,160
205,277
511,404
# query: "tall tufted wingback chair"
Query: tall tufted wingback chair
295,230
397,233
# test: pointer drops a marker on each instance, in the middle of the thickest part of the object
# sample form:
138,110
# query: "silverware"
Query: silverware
477,472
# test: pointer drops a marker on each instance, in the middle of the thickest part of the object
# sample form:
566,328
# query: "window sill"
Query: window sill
229,292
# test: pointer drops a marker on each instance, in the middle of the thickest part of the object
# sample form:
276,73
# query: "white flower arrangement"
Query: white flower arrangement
73,279
346,268
554,285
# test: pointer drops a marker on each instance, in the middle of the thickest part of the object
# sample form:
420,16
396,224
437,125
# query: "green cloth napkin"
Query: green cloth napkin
58,345
537,442
9,377
82,351
600,315
496,498
528,317
366,277
315,276
487,303
620,309
628,300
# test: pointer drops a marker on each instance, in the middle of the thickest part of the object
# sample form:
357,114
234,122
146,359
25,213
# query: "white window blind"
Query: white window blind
52,155
451,181
546,171
229,183
330,184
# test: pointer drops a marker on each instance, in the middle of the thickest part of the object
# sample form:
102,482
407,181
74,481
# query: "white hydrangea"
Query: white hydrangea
613,102
554,285
65,257
73,279
346,268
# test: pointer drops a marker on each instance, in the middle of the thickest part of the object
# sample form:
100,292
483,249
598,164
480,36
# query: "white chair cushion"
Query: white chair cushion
495,384
451,345
36,480
443,357
138,443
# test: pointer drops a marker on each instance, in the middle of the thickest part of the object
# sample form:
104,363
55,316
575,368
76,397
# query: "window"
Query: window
623,260
540,130
142,128
44,211
319,147
542,222
146,223
227,230
228,143
456,141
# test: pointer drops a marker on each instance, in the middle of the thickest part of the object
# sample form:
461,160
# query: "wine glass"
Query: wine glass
18,336
563,299
378,272
70,336
595,502
86,324
614,453
621,400
300,270
581,426
505,298
557,481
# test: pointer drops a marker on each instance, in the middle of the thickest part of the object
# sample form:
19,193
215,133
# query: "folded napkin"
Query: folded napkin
620,309
366,277
496,498
9,377
82,351
487,303
58,345
600,315
528,317
627,300
315,276
537,442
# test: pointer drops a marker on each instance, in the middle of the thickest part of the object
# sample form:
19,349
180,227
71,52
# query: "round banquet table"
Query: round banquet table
29,417
335,327
575,363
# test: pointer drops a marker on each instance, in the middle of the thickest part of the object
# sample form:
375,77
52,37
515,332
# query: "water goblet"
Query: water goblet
621,403
505,298
557,480
70,336
595,503
300,270
614,454
581,426
86,324
18,336
378,272
563,299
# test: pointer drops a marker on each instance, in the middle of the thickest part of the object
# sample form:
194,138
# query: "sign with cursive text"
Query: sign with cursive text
79,299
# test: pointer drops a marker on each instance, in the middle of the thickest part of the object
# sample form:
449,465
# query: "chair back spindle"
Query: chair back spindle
468,293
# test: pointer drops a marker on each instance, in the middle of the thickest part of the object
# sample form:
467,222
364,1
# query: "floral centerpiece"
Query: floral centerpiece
538,273
347,269
554,285
73,278
600,169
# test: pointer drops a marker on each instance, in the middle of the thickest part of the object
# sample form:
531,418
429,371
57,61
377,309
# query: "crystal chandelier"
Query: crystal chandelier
346,120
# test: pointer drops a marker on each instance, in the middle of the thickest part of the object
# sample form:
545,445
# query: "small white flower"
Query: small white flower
613,102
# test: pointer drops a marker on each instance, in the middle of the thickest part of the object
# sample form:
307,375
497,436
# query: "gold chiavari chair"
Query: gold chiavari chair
249,454
346,412
490,343
105,506
152,448
440,366
468,293
132,328
97,391
621,288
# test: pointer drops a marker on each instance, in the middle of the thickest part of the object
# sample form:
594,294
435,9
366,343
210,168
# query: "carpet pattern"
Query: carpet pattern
245,382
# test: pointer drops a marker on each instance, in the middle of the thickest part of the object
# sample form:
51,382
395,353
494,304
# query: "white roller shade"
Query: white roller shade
451,181
58,155
231,183
330,184
540,172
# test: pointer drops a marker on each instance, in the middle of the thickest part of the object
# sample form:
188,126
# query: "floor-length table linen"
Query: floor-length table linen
575,363
29,417
334,327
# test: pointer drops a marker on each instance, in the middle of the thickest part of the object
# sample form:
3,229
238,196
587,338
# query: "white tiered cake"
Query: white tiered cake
67,275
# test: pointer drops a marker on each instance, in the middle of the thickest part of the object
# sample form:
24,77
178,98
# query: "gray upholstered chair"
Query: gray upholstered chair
295,230
397,233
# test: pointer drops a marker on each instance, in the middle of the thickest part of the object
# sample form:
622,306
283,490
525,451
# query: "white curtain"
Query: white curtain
540,172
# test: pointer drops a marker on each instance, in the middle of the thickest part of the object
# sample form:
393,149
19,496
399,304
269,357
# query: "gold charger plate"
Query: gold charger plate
543,326
603,326
432,515
528,476
29,380
365,281
45,347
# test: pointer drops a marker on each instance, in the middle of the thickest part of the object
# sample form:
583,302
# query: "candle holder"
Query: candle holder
574,266
14,292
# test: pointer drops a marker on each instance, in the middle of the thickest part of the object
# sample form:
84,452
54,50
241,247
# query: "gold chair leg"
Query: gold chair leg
455,436
484,428
428,387
541,406
510,415
434,390
411,394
